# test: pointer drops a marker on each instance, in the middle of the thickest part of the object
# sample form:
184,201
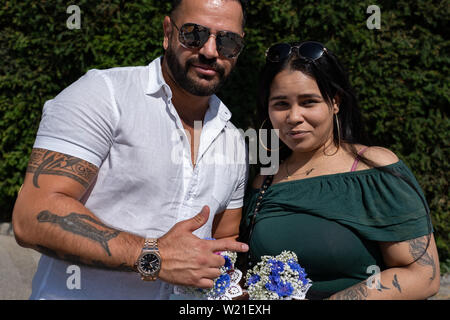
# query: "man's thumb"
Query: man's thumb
199,220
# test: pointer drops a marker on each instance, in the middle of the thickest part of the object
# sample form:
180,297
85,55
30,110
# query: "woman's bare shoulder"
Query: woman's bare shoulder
380,155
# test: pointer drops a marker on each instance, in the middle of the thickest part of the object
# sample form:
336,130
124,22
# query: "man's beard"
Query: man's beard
186,82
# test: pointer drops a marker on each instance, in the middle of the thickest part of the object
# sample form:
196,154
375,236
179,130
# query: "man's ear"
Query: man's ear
167,27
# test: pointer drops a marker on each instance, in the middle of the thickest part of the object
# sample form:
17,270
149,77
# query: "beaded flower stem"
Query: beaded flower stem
266,184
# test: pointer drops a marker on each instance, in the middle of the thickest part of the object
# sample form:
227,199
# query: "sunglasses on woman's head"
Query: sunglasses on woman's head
194,36
309,50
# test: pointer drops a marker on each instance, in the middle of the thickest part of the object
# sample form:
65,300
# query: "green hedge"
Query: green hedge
401,72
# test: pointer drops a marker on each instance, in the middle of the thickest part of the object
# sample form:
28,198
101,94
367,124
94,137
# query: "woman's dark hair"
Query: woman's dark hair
333,82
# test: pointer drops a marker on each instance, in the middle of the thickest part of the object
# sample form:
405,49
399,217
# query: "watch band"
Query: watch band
150,245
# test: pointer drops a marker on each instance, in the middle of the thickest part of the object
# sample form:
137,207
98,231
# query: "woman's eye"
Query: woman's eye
309,102
280,104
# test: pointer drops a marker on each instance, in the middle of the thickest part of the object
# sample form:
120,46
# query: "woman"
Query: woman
354,215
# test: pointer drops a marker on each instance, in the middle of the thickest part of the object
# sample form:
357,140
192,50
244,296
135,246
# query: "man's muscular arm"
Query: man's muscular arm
49,217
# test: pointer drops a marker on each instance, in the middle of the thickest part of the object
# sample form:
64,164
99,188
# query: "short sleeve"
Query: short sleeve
80,121
396,208
237,199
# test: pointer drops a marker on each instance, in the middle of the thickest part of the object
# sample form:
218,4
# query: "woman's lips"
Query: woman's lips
297,134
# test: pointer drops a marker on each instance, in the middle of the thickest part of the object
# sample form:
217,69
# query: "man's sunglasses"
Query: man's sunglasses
194,36
309,50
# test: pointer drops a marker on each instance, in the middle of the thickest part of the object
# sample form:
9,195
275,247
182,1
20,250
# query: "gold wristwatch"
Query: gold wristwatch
149,262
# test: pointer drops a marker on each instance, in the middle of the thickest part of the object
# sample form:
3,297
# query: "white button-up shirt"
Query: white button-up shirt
123,121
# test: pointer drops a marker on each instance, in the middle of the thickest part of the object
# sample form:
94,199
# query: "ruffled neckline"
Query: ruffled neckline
335,175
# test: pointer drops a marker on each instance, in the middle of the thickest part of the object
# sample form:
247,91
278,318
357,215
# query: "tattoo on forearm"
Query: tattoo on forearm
396,284
82,225
122,267
77,260
380,287
356,292
53,163
418,249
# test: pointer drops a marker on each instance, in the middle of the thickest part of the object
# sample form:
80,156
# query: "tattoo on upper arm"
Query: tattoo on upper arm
83,225
54,163
418,249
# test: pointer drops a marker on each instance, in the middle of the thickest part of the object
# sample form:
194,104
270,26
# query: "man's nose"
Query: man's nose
209,49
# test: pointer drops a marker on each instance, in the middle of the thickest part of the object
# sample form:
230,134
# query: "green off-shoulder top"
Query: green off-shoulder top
334,222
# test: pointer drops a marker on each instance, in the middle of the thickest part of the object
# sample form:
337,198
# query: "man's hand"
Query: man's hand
189,260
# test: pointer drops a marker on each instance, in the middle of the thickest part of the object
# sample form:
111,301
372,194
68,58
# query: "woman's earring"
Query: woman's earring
261,142
338,126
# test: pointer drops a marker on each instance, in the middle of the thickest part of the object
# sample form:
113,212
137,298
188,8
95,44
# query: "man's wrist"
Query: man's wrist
136,254
148,264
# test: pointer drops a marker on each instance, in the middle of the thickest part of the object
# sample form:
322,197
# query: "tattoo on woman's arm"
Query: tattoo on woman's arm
54,163
357,292
418,249
396,284
82,225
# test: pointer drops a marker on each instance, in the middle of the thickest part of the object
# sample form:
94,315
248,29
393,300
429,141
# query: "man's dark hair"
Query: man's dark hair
244,3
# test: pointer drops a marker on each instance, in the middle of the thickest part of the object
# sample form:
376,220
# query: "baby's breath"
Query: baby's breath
279,277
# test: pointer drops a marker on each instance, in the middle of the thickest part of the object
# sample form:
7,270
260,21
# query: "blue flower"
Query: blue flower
303,280
271,286
301,272
274,282
228,263
253,279
295,266
222,283
276,266
284,289
276,285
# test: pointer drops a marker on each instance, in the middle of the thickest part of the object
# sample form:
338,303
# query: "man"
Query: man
121,176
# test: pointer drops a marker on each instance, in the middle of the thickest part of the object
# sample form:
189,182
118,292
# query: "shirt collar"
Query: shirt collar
156,83
155,77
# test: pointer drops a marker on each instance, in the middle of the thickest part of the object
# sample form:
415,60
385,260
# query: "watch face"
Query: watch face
149,263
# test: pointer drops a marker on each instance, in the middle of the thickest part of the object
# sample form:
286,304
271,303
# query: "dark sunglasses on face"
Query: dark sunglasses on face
194,36
309,50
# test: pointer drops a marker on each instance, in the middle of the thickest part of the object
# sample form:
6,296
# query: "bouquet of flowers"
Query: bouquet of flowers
226,286
278,278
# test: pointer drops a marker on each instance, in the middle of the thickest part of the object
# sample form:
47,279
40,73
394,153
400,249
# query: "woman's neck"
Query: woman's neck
300,159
